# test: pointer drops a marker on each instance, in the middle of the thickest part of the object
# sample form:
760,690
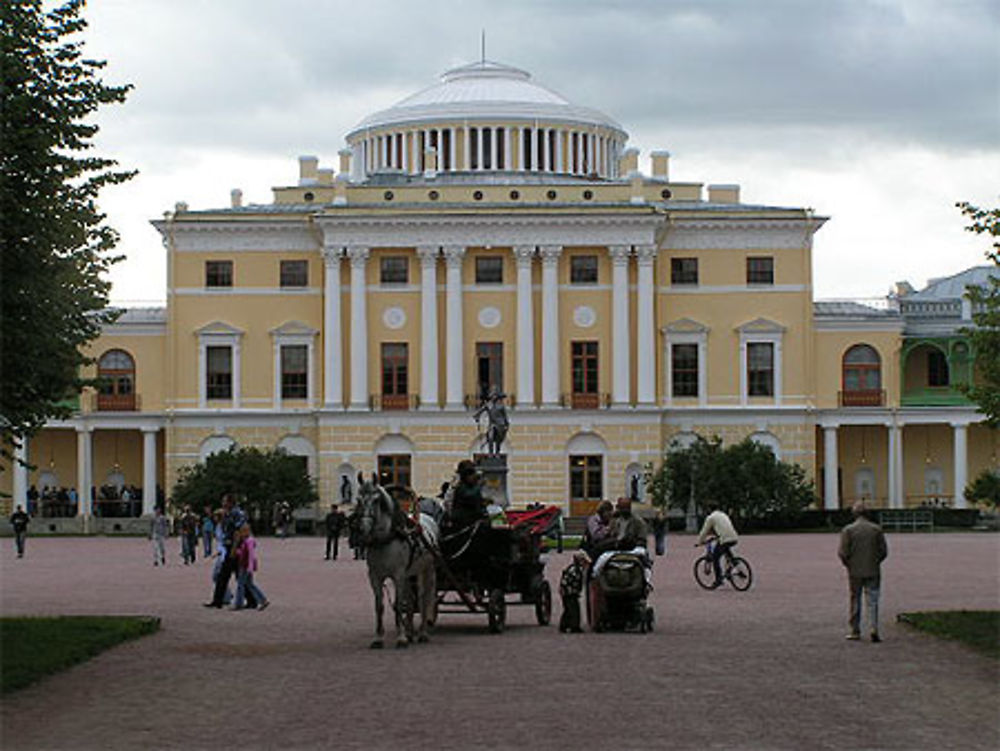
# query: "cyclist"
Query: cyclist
720,527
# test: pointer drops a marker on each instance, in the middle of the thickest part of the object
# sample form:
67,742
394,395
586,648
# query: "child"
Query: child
570,587
246,564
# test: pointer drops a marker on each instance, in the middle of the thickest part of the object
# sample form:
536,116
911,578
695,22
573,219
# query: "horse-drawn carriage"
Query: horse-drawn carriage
480,565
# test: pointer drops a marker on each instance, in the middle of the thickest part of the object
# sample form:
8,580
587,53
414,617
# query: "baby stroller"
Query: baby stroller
617,591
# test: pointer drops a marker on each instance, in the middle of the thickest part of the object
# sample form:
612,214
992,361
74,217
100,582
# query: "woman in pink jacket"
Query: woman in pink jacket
246,565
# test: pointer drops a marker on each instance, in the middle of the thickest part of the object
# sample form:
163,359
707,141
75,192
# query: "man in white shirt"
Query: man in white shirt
719,526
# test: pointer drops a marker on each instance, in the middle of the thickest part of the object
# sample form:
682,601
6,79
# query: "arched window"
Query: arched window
116,381
862,378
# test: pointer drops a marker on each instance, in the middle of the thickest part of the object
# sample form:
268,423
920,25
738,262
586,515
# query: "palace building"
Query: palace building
486,232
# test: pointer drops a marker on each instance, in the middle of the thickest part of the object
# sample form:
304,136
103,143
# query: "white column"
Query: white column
148,470
452,166
559,151
20,470
551,346
333,378
961,462
520,149
428,327
621,337
525,327
830,465
439,150
508,155
494,149
579,153
406,153
897,489
480,148
359,327
546,163
534,149
468,148
646,327
84,470
276,350
453,255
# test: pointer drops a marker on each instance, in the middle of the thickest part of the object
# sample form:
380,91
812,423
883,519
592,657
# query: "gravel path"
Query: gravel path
766,669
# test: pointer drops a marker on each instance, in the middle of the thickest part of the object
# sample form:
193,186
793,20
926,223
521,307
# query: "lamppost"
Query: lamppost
691,519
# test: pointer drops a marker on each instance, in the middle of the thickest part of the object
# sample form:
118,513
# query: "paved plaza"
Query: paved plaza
766,669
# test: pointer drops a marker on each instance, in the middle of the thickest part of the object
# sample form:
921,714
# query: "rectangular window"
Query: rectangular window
393,270
937,368
218,273
760,270
584,375
586,481
219,372
489,368
294,273
395,376
489,269
684,369
295,371
583,269
760,369
394,469
683,270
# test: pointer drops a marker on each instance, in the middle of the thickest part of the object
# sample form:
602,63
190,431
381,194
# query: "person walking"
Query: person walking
19,521
334,524
219,554
159,528
659,525
862,550
189,535
207,531
246,565
232,520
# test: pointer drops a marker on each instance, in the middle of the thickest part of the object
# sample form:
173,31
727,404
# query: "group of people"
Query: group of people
236,555
52,501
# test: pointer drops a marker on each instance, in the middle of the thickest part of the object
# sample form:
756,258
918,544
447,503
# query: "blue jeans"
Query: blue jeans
719,550
244,584
869,586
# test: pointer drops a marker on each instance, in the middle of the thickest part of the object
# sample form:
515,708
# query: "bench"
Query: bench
906,519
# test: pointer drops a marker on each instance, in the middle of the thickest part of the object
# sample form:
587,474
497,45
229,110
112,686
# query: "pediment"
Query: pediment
761,326
219,328
685,326
294,328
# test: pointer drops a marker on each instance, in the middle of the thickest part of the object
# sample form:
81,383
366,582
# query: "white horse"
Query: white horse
399,551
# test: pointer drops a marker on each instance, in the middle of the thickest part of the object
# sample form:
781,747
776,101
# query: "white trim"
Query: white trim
725,289
236,291
219,334
699,337
293,334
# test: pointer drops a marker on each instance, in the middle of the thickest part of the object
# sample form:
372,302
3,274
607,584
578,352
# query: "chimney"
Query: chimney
325,176
629,162
661,164
180,207
340,189
307,170
723,193
236,197
345,160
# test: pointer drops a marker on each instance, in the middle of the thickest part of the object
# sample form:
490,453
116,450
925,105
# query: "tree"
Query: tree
746,479
259,478
54,244
985,335
985,489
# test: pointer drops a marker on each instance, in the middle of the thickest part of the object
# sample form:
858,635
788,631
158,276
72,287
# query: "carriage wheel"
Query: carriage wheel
496,609
543,604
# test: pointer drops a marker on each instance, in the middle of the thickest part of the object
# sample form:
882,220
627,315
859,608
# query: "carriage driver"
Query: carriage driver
467,503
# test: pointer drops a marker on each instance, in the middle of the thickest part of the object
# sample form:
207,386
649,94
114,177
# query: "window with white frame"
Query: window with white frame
686,356
294,371
760,369
760,360
219,372
219,363
294,361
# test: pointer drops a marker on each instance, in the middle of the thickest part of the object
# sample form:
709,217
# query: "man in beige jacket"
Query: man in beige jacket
862,550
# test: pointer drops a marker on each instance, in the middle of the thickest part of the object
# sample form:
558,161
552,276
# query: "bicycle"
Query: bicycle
734,569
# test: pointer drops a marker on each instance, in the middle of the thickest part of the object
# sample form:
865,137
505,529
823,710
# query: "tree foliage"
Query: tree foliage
985,336
260,478
54,244
985,489
746,479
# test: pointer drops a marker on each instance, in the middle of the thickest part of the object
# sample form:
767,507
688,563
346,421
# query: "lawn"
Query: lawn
979,629
32,648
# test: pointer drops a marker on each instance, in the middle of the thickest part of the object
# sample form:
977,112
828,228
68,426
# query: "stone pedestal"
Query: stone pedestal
493,470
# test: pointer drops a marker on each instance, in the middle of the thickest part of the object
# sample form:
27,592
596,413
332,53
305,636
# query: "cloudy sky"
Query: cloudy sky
877,113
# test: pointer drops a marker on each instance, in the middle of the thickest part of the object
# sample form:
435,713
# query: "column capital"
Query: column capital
959,424
84,428
150,429
523,253
550,253
619,253
646,254
428,254
358,254
331,253
453,255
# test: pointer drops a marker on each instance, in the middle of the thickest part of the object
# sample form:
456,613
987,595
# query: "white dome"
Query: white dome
486,91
